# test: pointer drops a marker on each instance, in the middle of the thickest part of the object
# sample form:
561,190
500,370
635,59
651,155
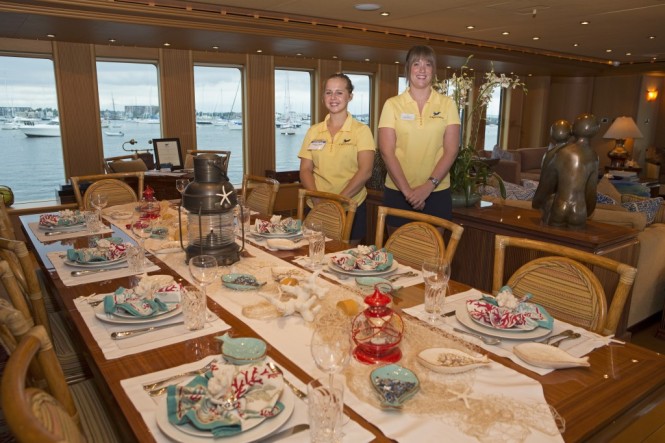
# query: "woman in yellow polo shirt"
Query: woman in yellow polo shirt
337,154
419,133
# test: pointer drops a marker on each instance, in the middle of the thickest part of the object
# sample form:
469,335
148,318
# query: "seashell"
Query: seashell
283,244
549,357
450,361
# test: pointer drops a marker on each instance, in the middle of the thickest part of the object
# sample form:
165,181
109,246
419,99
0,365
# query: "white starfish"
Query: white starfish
225,196
464,396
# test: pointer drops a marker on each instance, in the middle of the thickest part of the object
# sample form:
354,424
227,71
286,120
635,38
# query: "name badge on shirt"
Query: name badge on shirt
316,145
408,117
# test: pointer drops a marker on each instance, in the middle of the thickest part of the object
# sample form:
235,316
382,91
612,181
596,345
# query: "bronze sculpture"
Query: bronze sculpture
560,133
566,193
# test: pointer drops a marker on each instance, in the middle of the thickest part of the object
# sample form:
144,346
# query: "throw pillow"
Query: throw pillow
516,192
530,184
631,188
606,187
605,199
649,206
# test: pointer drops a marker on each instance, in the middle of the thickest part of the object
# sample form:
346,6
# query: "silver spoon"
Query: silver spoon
486,340
569,337
565,333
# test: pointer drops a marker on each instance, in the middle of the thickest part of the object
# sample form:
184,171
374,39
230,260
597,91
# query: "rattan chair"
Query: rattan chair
124,163
19,280
330,211
564,284
225,155
260,193
6,226
53,411
117,191
411,243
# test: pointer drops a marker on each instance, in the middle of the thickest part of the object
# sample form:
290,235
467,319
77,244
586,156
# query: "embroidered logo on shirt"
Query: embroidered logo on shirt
436,114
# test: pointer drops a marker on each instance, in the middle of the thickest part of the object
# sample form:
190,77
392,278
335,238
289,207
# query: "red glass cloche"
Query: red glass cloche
149,206
377,331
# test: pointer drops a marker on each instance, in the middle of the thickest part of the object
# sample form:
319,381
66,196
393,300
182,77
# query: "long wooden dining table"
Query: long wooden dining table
620,397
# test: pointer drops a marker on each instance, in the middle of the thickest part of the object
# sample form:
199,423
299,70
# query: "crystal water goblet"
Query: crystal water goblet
436,273
99,200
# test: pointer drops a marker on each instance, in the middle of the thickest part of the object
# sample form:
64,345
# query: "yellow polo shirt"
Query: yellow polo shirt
336,159
419,143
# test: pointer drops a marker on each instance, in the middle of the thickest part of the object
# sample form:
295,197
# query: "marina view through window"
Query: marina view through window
128,106
29,129
293,104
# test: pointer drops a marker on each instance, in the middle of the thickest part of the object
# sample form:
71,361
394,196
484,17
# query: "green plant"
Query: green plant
469,171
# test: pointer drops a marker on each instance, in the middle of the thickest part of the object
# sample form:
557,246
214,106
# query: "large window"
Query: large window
219,123
129,105
30,134
493,120
293,104
360,106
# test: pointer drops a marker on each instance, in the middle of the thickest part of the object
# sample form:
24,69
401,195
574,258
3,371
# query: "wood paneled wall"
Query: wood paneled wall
176,105
78,103
259,114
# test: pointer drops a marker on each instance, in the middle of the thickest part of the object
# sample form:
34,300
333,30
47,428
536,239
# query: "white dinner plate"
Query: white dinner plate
360,273
70,228
188,433
96,264
463,317
126,319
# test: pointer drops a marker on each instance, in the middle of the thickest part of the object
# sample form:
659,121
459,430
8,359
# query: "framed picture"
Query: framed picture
167,151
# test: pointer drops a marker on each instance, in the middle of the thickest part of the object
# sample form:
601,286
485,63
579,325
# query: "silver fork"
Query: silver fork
300,394
155,386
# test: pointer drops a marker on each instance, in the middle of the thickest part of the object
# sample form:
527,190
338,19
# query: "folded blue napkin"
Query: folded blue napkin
528,313
107,249
126,300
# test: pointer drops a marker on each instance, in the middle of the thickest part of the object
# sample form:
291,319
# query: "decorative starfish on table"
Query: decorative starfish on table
464,396
225,196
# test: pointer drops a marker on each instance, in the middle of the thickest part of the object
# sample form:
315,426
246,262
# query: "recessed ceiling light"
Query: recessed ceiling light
470,27
366,59
576,44
50,35
385,14
608,50
259,50
167,44
448,67
505,33
111,40
298,54
367,6
585,22
535,38
335,57
215,47
629,53
651,37
397,62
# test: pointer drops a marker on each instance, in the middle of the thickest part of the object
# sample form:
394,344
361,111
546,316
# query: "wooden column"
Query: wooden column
176,105
259,114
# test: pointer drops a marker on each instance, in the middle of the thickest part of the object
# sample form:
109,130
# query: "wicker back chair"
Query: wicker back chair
6,226
411,243
563,283
48,413
260,193
334,211
20,282
117,191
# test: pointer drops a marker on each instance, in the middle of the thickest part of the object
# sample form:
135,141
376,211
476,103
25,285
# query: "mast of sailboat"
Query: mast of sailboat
233,104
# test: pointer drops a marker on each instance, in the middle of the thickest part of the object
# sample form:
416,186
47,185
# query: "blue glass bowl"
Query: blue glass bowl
241,282
242,350
395,385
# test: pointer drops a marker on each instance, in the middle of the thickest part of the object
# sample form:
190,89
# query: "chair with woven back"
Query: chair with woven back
6,226
113,185
38,404
334,211
260,193
561,280
124,163
225,155
421,238
19,280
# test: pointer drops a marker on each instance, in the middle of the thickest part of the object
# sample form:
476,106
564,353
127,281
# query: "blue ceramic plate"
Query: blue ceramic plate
395,385
242,350
241,282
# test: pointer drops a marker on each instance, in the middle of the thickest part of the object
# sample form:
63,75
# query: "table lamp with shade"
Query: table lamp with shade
621,129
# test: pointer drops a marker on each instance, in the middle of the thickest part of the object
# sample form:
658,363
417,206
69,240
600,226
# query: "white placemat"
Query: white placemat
147,405
577,348
65,272
101,331
63,235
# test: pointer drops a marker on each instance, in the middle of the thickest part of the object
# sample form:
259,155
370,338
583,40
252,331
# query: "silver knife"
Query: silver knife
94,271
288,432
126,334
